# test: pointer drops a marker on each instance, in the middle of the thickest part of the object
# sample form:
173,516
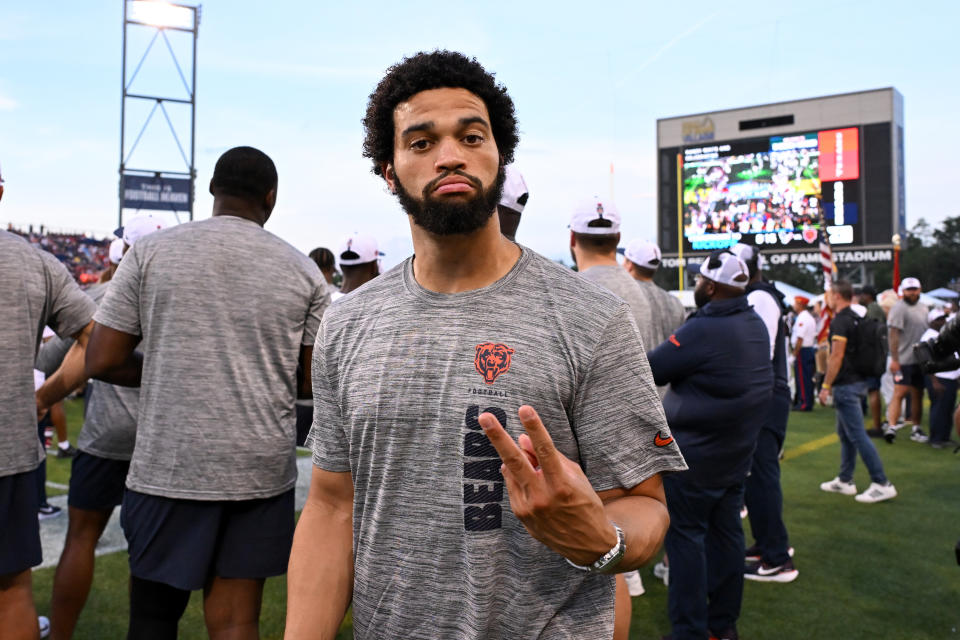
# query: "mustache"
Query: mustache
430,186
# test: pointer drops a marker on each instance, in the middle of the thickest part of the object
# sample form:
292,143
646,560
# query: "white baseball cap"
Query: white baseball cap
935,314
643,253
909,283
596,217
726,268
358,248
116,250
140,226
515,192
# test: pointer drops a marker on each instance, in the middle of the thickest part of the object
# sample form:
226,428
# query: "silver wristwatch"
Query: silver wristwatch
610,559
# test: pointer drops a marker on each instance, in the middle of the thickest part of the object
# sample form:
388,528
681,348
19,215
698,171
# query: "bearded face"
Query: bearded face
446,216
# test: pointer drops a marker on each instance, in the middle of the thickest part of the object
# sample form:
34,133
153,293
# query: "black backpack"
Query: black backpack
871,348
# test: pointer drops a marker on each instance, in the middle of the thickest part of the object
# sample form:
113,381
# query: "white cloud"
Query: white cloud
7,104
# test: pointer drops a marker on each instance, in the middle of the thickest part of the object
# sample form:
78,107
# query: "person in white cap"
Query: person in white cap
36,290
594,236
99,469
720,374
115,255
642,259
359,260
769,558
906,323
942,388
512,202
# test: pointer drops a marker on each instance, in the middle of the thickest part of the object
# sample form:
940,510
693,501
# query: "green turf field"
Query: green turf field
885,570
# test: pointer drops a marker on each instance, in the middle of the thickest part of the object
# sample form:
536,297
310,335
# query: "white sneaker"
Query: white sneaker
918,435
839,486
634,583
877,493
662,571
44,623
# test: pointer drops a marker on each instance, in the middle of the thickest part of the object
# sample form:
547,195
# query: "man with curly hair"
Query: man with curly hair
487,451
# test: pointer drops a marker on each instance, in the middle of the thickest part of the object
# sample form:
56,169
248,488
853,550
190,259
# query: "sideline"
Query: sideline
807,447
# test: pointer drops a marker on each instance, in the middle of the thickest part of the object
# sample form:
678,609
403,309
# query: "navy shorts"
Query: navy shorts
96,483
19,528
912,376
184,543
873,383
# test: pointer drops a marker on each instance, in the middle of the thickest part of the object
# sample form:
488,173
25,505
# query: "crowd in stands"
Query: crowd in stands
84,256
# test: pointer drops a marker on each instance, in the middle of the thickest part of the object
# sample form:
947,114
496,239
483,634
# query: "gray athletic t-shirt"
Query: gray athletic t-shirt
35,290
110,419
668,310
911,319
223,307
400,375
615,278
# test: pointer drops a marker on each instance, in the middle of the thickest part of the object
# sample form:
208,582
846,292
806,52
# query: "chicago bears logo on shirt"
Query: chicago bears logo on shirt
492,359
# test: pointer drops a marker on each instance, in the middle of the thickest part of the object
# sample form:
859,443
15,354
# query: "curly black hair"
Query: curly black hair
435,70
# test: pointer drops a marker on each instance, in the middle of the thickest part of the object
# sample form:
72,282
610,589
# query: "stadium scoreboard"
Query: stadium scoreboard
771,175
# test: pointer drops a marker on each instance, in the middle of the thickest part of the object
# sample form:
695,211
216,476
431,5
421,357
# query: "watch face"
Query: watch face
611,558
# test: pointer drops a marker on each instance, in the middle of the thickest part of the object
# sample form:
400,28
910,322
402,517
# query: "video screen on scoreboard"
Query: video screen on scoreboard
775,191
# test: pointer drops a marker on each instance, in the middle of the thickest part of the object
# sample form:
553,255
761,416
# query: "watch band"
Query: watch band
608,560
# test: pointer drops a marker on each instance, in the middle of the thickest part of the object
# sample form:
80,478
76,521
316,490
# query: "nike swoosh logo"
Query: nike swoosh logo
763,571
660,441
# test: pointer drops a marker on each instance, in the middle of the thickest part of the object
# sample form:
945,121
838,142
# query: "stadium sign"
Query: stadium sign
151,192
775,175
859,256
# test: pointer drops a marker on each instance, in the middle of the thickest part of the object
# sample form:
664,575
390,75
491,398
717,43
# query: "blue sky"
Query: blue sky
589,81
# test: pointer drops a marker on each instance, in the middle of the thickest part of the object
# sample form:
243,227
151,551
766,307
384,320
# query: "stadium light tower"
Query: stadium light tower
165,188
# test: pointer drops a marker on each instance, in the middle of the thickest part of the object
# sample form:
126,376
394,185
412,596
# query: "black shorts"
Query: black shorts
96,483
183,543
873,383
912,376
19,528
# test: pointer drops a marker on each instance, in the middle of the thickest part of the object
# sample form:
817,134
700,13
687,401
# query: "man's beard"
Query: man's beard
444,218
700,298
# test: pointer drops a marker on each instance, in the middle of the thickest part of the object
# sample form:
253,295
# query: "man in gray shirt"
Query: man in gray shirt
594,236
642,259
36,290
471,375
226,310
906,324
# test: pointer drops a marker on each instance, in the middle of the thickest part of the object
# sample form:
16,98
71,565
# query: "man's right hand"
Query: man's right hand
894,367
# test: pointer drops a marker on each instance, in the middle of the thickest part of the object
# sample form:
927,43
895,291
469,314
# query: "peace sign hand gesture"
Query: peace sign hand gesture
549,493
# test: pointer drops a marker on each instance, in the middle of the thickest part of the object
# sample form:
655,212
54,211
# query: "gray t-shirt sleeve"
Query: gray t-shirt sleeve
331,450
70,309
318,306
896,316
618,419
120,308
52,353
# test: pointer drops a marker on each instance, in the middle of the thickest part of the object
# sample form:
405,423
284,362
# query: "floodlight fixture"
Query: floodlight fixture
142,186
162,15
